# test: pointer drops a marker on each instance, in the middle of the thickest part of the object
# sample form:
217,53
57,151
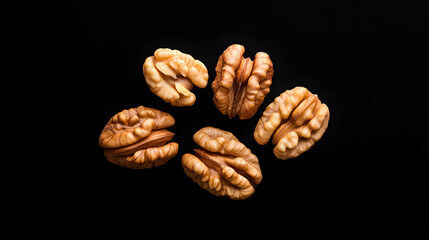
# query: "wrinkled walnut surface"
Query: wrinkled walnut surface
136,138
171,75
241,84
296,120
224,166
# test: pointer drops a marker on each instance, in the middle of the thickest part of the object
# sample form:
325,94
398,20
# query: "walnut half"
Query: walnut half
172,74
241,84
296,120
224,166
136,138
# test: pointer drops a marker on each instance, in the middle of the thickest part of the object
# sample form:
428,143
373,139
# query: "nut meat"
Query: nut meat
172,74
224,166
241,84
296,119
136,138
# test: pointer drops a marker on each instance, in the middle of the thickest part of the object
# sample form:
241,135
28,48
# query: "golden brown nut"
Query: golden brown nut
224,166
136,138
297,118
171,75
241,84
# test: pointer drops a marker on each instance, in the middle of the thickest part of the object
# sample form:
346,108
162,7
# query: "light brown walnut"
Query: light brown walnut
296,120
223,166
172,74
136,138
241,84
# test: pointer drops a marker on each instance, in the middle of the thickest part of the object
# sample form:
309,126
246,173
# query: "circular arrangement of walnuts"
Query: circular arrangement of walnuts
137,137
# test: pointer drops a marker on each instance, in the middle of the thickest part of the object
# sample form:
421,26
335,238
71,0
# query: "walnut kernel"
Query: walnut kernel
136,138
172,74
224,166
241,84
295,120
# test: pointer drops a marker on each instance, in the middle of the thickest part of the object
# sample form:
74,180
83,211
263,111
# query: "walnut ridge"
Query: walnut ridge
295,120
241,84
172,74
136,138
224,166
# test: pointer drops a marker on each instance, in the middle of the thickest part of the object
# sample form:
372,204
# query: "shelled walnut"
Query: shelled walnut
224,166
171,75
136,138
241,84
296,119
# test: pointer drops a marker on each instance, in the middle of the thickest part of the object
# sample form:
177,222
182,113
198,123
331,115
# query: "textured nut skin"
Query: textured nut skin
136,138
171,75
296,119
224,166
241,84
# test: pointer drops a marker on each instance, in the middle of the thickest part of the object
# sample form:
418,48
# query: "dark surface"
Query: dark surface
68,67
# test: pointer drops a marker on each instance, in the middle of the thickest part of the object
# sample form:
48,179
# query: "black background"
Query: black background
67,67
